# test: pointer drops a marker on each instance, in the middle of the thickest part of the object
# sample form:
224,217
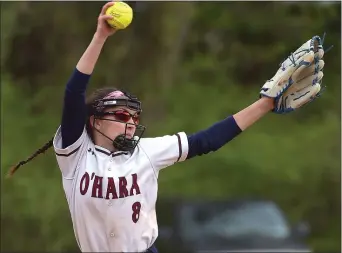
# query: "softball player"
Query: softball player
109,171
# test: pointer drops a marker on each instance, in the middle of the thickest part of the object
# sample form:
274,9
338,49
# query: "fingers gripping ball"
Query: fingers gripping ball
122,15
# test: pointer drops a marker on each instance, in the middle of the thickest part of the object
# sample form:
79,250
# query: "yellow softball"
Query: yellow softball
122,15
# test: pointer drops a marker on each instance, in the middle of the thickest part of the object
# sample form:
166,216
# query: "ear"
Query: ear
96,123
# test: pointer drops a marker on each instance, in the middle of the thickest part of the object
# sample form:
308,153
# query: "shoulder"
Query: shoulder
168,147
74,147
164,140
70,157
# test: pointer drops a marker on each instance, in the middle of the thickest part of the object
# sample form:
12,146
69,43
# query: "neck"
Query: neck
107,144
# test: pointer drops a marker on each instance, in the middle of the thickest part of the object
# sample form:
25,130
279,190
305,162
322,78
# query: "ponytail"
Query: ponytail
100,93
39,151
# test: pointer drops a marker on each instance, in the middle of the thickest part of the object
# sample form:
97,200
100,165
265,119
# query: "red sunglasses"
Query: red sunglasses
124,116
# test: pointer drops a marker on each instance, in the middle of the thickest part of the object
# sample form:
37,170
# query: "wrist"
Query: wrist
98,38
268,103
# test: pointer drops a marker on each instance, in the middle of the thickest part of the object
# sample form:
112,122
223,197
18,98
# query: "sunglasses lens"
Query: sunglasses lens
136,119
125,117
122,116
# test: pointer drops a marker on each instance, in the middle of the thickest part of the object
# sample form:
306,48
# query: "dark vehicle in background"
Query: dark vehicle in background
223,226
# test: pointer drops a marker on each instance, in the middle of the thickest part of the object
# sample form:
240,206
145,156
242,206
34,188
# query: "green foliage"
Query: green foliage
190,73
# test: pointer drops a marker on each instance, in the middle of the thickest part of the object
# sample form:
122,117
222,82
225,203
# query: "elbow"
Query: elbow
77,84
201,146
213,138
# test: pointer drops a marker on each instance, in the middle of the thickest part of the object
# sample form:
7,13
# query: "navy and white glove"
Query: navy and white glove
299,78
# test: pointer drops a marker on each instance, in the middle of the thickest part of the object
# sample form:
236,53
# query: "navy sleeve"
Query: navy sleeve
74,108
213,138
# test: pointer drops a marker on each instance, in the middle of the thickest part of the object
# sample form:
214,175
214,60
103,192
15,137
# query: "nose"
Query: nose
130,130
131,125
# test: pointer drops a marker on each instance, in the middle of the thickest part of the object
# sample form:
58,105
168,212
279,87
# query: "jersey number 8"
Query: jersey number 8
136,211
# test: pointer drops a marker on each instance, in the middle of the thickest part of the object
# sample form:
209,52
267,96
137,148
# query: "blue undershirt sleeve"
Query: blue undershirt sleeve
213,138
74,108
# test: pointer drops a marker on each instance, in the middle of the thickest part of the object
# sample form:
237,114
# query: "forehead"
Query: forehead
116,108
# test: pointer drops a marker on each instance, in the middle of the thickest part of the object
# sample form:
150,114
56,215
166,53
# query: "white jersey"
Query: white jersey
112,197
